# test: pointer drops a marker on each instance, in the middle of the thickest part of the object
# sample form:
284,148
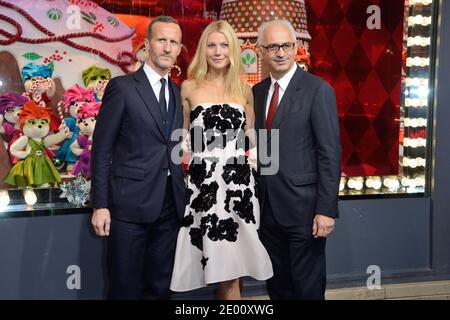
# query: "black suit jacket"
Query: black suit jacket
307,181
131,153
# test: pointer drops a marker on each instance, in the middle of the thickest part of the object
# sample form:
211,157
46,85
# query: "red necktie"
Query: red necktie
272,106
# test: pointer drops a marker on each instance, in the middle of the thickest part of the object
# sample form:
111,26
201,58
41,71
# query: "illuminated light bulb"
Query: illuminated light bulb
393,184
405,182
422,91
342,184
412,183
376,184
4,199
420,181
405,162
359,185
421,162
350,183
30,197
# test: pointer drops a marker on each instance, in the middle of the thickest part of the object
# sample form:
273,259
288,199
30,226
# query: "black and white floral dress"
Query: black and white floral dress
218,240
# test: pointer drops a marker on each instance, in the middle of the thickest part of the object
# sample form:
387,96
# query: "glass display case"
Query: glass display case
60,54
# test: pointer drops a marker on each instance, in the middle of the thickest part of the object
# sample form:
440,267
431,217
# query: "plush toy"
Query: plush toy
34,167
87,116
10,105
302,59
139,51
40,87
96,79
74,97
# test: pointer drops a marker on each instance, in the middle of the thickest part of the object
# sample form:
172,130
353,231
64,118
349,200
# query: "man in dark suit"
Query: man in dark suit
299,200
138,193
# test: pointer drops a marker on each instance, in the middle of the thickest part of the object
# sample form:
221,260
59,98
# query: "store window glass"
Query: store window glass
57,56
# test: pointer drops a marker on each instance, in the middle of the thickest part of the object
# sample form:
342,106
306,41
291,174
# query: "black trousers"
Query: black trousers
141,255
298,259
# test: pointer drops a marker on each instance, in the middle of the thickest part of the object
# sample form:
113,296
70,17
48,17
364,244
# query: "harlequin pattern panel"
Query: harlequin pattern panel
365,68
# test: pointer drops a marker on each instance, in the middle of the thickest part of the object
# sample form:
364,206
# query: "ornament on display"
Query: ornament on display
303,60
40,87
54,33
82,146
10,105
96,79
76,191
246,16
34,167
74,98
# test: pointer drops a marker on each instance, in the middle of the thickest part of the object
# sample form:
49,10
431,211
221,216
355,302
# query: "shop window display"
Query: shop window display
60,54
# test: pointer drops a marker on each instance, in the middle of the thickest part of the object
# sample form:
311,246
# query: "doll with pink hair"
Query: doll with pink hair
10,105
87,117
74,98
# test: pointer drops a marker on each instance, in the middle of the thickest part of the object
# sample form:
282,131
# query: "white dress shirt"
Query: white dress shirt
155,81
283,83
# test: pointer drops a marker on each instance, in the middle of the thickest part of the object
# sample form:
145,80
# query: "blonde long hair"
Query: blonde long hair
198,69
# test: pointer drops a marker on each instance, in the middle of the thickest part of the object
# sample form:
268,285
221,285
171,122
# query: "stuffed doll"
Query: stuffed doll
10,105
302,59
74,97
40,87
140,54
87,115
96,79
34,167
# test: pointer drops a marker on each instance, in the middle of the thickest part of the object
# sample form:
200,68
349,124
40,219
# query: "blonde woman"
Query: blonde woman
218,241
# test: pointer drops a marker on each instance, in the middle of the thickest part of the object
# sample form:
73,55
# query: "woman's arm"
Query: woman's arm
186,89
250,117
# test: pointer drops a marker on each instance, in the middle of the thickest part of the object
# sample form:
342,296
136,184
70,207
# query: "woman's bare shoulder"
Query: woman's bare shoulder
188,85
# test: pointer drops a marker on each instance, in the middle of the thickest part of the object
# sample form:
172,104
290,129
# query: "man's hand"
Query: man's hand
101,221
322,226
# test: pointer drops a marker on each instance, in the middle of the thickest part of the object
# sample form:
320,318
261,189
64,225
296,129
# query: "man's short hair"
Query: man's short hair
165,19
262,28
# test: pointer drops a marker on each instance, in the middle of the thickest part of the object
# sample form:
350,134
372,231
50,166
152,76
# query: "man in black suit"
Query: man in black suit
299,200
138,193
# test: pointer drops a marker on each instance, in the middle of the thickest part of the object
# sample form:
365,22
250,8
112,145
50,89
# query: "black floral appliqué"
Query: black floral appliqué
203,261
242,207
198,169
211,117
196,237
233,115
237,170
189,193
207,197
196,112
219,229
256,179
187,220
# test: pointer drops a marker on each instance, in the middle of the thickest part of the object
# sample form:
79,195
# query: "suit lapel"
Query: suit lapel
288,100
178,108
147,95
260,105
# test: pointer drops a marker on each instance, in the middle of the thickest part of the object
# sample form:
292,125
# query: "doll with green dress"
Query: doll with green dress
34,167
